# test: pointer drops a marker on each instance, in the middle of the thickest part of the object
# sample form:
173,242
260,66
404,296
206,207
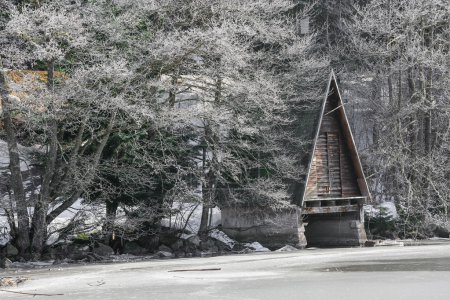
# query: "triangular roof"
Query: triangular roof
333,91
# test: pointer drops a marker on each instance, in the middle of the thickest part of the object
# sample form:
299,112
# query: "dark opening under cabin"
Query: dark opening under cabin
328,204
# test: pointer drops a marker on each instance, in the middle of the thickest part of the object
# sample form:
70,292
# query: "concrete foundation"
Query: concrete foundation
335,230
271,229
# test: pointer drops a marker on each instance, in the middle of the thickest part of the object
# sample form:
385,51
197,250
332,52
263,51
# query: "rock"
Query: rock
150,242
103,250
222,240
194,240
5,263
180,254
10,250
441,231
164,254
133,248
238,247
73,251
370,243
257,247
92,258
207,245
168,237
164,248
177,245
287,248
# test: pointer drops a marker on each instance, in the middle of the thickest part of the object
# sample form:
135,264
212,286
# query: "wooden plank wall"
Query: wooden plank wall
332,172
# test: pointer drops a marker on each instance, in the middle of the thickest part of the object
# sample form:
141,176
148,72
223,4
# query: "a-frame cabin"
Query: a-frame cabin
335,188
327,202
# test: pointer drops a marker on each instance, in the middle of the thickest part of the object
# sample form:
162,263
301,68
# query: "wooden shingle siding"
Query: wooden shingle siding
332,172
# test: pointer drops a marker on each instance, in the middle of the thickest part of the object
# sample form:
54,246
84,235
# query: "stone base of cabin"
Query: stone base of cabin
335,230
271,229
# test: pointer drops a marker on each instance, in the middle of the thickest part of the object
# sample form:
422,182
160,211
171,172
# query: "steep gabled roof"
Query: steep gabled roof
332,91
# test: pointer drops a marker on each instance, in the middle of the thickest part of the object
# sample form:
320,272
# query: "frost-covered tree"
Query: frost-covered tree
67,115
222,68
143,103
403,47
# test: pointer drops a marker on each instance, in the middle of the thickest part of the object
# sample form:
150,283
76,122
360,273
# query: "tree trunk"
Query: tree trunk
412,129
173,90
108,226
209,179
22,239
89,176
39,224
205,195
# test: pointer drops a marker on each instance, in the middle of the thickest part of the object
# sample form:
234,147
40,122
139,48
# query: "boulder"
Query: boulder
133,248
10,250
149,242
168,237
5,263
370,243
165,248
180,254
238,247
257,247
441,231
92,257
164,254
177,245
103,250
222,241
194,240
287,248
74,251
207,245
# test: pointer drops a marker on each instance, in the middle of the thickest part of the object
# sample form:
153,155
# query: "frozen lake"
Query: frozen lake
416,272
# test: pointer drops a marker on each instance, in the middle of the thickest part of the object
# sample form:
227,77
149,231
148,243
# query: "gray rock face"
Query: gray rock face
103,250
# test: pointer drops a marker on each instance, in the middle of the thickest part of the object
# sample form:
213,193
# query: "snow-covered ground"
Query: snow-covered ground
421,272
